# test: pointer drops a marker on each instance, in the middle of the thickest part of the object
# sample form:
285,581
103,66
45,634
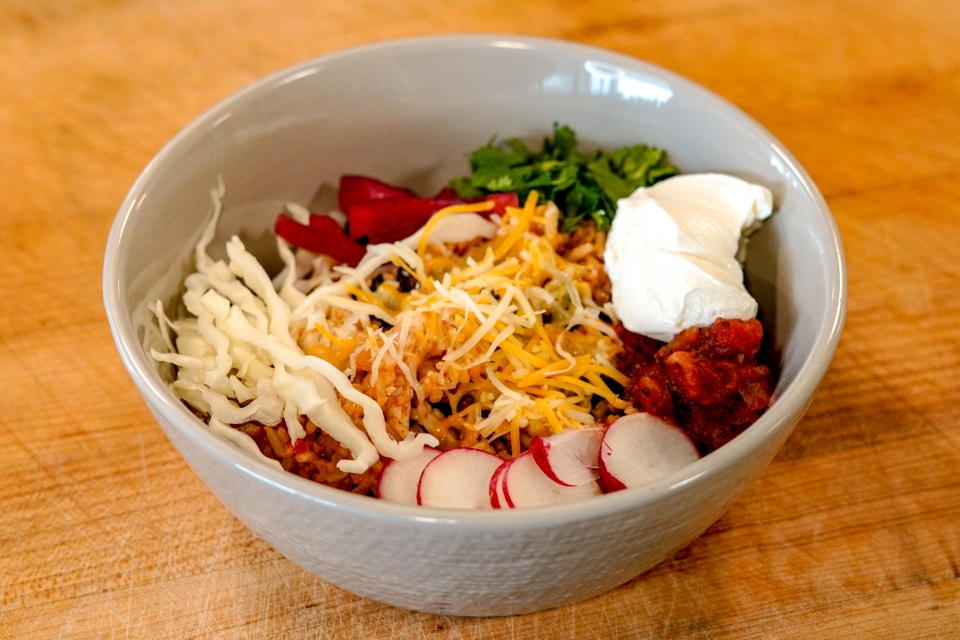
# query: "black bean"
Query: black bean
443,406
465,402
405,281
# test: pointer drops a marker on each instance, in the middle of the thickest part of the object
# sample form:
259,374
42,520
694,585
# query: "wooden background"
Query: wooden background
851,533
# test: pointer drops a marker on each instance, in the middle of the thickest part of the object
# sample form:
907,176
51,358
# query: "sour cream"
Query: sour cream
671,253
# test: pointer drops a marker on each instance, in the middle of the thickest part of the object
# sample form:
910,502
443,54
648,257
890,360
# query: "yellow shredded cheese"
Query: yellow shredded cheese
503,331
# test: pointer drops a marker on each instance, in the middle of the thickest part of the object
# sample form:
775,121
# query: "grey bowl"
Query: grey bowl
410,112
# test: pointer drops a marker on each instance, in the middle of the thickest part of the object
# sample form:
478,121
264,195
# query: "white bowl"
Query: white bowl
410,112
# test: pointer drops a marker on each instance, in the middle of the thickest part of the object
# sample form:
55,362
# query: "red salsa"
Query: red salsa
707,381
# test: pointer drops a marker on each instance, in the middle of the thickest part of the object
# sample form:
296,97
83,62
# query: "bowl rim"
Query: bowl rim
778,417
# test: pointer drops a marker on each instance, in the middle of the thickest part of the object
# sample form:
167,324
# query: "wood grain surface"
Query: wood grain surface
852,532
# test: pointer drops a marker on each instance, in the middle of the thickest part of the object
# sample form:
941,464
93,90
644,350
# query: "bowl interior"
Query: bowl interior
410,113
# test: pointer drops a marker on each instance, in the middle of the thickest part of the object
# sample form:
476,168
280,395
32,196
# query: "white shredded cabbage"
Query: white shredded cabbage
238,358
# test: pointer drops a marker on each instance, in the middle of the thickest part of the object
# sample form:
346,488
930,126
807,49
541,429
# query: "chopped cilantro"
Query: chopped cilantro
582,188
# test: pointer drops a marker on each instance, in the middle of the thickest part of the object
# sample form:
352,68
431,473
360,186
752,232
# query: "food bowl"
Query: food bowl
409,112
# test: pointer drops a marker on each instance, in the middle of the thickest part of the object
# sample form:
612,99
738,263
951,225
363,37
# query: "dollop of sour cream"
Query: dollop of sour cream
671,253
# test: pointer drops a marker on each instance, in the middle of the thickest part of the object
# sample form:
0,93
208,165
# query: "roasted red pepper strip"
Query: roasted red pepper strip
392,219
323,235
500,202
446,193
357,189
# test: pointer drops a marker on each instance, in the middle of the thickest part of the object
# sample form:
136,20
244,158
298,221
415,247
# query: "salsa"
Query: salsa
708,381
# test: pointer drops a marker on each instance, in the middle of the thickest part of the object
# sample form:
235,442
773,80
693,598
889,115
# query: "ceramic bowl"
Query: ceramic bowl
409,112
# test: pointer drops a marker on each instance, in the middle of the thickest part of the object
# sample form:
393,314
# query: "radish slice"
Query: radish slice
497,499
458,479
525,485
640,448
399,478
570,457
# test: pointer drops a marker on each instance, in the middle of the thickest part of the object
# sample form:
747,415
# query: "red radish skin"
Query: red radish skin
458,479
502,496
525,485
399,478
497,499
640,448
571,457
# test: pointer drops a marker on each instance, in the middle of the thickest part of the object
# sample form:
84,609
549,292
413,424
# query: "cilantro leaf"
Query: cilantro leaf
608,179
582,189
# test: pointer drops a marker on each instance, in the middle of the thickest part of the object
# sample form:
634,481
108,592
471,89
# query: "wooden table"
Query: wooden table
852,532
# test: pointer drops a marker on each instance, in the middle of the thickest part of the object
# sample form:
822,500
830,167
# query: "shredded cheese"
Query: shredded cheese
502,322
500,328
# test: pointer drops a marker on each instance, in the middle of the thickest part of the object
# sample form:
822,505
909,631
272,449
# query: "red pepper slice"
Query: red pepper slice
357,189
446,194
392,219
500,202
377,211
323,235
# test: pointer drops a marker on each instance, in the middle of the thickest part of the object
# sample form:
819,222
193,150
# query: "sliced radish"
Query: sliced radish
571,457
497,499
640,448
399,478
525,485
458,479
